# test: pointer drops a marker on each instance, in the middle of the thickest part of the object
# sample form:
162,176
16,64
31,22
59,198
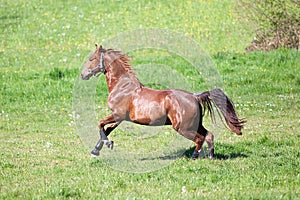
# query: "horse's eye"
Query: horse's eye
92,58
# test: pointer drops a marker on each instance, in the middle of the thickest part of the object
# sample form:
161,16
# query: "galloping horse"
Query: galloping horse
131,101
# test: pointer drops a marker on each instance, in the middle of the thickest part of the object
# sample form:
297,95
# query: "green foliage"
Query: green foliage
277,22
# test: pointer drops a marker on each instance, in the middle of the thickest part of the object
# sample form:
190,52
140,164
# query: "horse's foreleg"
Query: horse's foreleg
104,133
110,128
98,147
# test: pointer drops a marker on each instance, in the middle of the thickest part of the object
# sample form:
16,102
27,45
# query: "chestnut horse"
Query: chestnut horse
131,101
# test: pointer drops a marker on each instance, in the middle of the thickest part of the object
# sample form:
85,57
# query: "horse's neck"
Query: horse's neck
114,82
111,83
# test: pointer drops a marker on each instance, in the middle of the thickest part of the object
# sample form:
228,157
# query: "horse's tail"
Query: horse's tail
225,105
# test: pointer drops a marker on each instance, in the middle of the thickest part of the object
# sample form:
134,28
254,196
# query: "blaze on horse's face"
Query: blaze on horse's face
92,65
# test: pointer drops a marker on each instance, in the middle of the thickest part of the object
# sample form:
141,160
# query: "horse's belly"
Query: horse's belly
149,113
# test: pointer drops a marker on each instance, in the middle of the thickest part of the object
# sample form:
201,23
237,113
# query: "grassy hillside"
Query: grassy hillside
43,46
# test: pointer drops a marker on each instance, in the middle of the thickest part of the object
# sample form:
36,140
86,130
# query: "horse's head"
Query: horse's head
94,66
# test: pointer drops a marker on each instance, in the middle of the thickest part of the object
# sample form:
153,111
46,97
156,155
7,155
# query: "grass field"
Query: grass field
43,46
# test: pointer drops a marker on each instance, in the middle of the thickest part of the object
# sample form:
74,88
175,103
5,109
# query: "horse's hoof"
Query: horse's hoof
195,155
110,144
94,156
95,153
211,154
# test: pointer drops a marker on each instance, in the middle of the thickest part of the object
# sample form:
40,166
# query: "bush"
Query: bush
277,23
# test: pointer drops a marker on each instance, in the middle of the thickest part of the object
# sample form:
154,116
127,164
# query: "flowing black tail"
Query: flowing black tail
225,105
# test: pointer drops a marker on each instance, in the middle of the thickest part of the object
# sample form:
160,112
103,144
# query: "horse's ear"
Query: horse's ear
96,46
101,47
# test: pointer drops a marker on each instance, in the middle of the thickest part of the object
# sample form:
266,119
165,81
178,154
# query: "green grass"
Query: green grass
43,46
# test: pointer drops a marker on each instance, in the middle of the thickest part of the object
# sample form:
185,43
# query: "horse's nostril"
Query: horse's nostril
84,76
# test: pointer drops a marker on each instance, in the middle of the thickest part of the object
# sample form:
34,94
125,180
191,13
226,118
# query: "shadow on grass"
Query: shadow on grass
168,155
222,152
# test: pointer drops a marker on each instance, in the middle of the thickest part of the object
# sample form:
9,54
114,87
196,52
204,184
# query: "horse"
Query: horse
130,100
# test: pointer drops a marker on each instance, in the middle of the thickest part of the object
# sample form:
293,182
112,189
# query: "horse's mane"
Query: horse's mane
118,57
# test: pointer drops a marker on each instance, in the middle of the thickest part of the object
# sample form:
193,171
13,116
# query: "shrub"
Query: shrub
277,23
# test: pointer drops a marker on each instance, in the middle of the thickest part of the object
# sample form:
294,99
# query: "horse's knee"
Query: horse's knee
101,124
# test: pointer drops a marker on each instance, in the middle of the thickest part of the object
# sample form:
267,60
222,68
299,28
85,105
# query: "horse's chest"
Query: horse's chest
117,101
121,94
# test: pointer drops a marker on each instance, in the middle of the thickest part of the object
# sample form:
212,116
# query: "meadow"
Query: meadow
43,47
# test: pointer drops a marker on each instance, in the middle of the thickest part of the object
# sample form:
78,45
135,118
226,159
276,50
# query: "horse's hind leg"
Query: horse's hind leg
199,140
209,138
195,137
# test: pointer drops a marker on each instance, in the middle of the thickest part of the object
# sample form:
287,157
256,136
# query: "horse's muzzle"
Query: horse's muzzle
85,77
